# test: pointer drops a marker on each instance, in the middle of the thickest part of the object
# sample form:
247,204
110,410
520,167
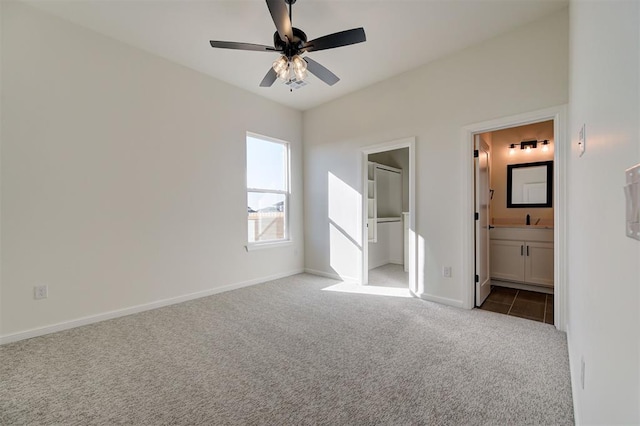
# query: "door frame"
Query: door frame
409,143
559,116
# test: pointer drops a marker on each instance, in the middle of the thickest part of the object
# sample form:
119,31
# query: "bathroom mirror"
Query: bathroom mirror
530,184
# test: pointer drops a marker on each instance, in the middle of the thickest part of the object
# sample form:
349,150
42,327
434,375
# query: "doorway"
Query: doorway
388,215
526,240
514,227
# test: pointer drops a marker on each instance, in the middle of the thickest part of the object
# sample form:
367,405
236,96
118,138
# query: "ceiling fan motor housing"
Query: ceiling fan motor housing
293,48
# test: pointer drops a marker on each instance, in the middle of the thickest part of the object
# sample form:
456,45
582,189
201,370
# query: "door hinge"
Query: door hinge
477,279
476,216
476,154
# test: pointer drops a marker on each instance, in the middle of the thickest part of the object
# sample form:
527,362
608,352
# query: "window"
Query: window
267,190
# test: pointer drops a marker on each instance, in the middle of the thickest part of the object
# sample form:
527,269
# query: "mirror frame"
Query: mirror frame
548,202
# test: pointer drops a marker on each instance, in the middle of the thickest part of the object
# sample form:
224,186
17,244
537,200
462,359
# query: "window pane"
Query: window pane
266,164
266,220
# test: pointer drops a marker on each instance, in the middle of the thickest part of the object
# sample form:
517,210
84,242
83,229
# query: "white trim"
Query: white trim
410,143
558,115
268,245
442,300
287,192
266,138
575,386
268,191
78,322
522,286
331,275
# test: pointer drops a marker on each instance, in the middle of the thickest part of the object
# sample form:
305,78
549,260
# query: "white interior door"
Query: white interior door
482,176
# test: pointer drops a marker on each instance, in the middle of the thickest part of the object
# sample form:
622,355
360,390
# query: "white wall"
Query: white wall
123,175
603,264
1,97
389,245
524,70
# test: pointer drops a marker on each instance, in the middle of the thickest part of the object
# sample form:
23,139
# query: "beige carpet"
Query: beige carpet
289,352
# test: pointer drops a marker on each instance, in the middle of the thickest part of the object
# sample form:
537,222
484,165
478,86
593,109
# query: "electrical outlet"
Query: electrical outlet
40,292
446,271
582,372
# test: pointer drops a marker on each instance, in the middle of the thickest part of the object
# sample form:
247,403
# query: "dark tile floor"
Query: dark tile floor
520,303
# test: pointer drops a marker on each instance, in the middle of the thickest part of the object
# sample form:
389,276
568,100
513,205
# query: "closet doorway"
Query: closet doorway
388,210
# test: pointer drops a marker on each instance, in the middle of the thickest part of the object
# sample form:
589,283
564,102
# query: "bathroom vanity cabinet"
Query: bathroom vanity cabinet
522,255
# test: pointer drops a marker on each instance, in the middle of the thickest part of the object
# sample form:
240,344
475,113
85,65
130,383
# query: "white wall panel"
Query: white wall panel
604,264
123,175
521,71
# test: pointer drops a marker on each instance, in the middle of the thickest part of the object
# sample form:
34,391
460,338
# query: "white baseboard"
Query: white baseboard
374,265
65,325
522,286
386,262
442,300
331,275
573,372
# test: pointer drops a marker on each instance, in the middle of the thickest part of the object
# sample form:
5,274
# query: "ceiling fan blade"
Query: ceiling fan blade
280,16
268,79
321,72
343,38
242,46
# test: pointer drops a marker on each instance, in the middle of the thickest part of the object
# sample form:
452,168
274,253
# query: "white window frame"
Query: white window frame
258,245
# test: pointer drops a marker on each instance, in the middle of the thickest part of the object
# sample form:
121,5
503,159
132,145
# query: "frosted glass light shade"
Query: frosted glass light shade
280,64
281,67
299,67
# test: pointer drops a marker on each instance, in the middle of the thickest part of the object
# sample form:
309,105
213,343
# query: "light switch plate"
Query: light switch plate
582,140
632,193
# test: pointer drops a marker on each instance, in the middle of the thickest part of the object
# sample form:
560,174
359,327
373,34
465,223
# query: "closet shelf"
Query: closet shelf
389,219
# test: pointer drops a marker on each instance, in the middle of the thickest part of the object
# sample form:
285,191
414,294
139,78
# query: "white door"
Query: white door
483,278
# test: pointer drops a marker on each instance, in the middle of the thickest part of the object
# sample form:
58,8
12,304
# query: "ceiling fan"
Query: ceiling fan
292,42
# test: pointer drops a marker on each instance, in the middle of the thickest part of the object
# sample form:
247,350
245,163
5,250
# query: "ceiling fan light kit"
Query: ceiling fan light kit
291,43
299,67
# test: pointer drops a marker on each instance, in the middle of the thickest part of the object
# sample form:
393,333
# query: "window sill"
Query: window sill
268,245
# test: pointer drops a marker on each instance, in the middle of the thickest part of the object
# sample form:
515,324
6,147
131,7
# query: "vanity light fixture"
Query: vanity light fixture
528,145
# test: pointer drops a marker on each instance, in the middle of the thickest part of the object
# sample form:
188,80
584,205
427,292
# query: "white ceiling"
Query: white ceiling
401,35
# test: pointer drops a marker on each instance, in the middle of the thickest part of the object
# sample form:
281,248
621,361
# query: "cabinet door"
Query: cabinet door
507,260
539,264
